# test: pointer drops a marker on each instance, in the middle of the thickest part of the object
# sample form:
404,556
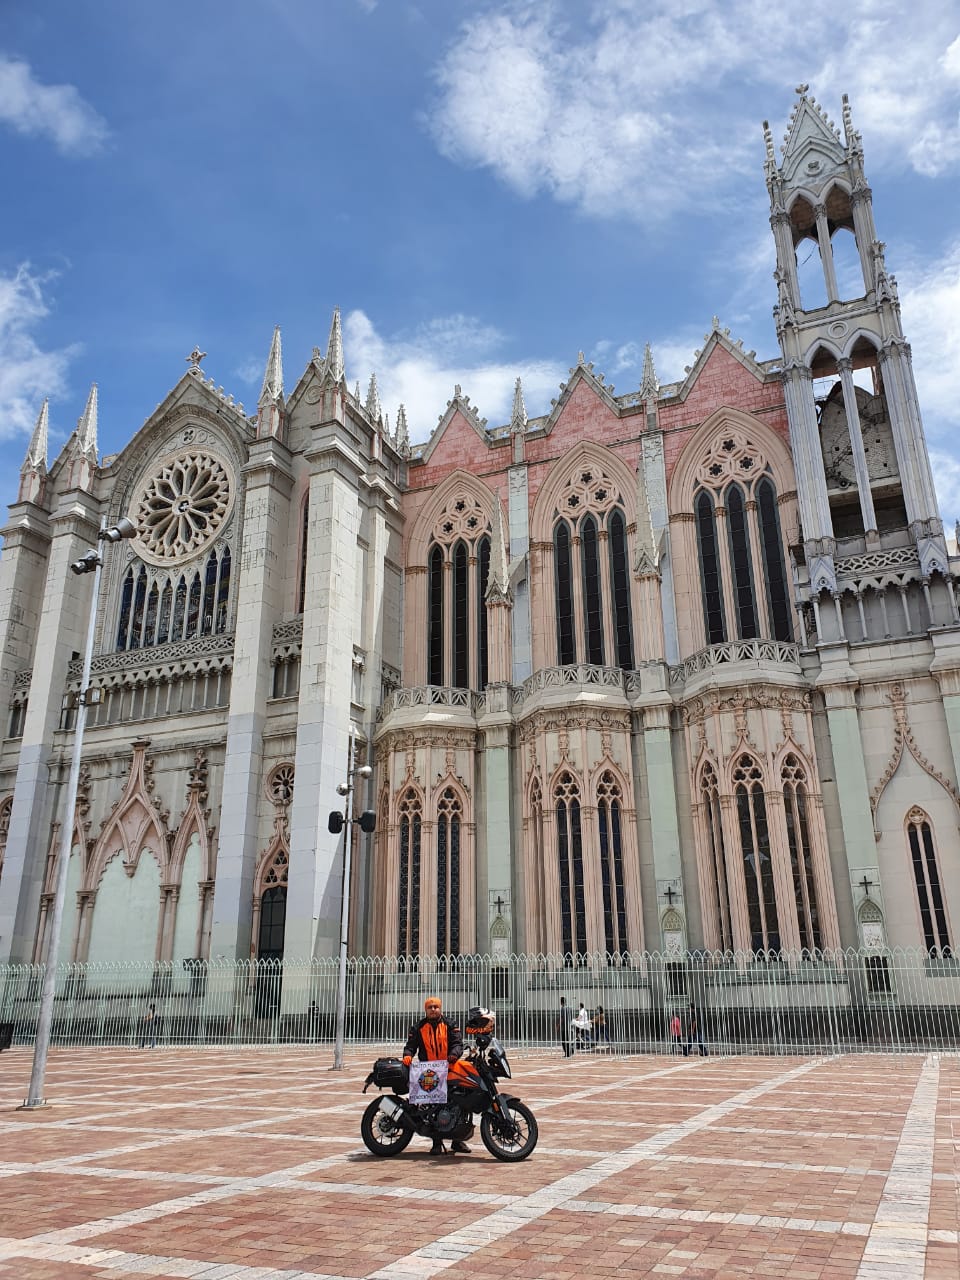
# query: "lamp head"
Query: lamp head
124,528
343,789
87,563
365,771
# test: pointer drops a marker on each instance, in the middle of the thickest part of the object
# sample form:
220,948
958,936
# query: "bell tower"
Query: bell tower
870,529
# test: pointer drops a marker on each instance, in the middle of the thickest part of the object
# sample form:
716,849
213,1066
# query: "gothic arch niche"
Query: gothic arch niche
873,940
566,795
929,884
409,823
542,906
733,511
189,886
582,587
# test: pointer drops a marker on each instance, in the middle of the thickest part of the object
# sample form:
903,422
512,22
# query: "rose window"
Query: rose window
183,506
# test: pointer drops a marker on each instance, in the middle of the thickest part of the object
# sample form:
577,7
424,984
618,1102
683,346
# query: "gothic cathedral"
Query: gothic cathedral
672,670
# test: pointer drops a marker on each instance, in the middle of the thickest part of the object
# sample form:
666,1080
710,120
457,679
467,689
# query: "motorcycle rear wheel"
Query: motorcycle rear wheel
381,1135
506,1142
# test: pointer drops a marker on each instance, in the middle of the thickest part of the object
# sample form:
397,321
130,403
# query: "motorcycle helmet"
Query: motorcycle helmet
480,1021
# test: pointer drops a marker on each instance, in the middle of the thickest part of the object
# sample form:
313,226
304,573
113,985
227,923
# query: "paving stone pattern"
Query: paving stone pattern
247,1165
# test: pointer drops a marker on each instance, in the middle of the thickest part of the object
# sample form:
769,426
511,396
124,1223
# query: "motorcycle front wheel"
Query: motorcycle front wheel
510,1140
381,1135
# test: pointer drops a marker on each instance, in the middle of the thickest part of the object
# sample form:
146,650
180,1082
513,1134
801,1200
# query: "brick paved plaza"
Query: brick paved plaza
247,1165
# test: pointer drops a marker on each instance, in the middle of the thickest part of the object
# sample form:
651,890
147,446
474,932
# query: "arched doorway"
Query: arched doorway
272,919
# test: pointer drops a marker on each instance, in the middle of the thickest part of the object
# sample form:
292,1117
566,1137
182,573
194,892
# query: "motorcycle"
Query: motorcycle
508,1128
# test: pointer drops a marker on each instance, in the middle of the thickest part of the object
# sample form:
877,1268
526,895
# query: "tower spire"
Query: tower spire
647,562
403,433
518,418
87,426
36,459
373,406
333,363
272,389
648,380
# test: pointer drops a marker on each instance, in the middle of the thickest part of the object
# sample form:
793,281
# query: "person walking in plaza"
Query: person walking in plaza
599,1021
563,1027
148,1028
436,1036
583,1027
694,1032
676,1034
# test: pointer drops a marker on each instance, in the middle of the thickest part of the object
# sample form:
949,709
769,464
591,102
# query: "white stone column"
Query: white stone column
60,633
519,523
662,799
331,622
855,431
258,603
826,253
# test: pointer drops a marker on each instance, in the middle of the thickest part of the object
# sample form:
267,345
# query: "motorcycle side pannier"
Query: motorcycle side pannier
390,1073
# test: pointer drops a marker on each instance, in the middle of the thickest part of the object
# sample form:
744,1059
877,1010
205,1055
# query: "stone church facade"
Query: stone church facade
665,670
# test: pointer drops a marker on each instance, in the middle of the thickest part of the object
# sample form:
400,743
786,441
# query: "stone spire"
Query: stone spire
272,389
403,433
647,561
333,363
373,406
498,580
87,426
649,386
36,459
518,418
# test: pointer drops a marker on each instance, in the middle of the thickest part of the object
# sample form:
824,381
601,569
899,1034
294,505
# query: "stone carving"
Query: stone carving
171,657
183,506
903,737
279,786
746,651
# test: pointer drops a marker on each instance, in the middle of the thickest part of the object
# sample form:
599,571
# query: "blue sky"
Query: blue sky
485,188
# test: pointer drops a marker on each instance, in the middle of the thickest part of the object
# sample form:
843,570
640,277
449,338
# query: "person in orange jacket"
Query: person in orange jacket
436,1036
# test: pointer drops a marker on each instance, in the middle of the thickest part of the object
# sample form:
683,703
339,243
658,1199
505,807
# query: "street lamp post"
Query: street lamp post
91,562
336,823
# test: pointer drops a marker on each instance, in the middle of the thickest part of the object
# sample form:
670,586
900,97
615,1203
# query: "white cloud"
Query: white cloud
645,107
28,373
250,370
56,111
930,304
420,369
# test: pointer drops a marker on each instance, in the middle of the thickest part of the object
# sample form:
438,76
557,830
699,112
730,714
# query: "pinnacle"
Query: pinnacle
648,381
518,418
36,459
333,363
403,433
373,406
87,425
272,389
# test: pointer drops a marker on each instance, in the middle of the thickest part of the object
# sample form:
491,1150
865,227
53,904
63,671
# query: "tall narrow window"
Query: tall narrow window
304,536
435,609
150,620
449,812
179,609
126,605
566,648
592,593
209,594
794,779
773,561
620,578
611,865
166,603
223,591
710,799
573,912
461,653
710,570
139,600
926,877
193,608
740,564
483,555
755,849
408,923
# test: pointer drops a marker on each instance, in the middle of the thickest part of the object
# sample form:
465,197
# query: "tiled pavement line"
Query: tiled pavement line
157,1265
666,1214
896,1245
290,1176
810,1133
462,1244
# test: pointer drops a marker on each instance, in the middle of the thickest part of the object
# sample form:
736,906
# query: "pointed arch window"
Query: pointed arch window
461,621
777,595
449,821
483,556
304,539
435,609
592,596
740,565
710,570
566,649
155,611
610,818
793,778
620,579
755,850
926,878
573,910
537,919
410,813
710,800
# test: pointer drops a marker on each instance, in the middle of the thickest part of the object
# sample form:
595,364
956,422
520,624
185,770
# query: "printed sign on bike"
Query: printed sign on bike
428,1083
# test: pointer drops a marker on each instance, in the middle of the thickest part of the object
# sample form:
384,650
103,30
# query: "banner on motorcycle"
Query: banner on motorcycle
428,1083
